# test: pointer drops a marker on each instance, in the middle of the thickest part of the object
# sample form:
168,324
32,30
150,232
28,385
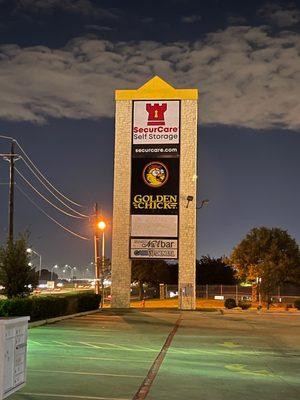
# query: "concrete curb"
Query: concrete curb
61,318
262,312
159,309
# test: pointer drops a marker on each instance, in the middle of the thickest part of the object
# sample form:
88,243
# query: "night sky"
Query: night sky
60,62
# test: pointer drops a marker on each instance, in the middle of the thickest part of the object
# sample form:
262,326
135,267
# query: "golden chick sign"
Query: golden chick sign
155,179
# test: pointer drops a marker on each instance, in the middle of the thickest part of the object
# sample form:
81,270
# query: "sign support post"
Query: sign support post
155,171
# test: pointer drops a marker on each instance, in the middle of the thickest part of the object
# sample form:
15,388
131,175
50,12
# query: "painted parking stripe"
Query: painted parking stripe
100,358
87,345
85,373
61,343
72,396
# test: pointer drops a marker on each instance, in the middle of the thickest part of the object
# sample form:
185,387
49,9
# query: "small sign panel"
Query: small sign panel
154,226
154,248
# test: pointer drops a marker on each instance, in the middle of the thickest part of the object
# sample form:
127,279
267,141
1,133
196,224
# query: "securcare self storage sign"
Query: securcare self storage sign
155,179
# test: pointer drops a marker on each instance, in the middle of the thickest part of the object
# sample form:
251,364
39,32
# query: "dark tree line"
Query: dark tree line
208,271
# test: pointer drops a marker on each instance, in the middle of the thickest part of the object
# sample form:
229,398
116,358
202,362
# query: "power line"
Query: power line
45,198
53,194
43,176
49,216
37,169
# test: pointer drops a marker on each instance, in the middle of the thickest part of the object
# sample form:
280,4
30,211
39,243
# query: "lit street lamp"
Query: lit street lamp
85,272
31,251
102,225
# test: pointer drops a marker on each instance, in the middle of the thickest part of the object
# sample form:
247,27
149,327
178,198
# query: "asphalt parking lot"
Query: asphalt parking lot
165,355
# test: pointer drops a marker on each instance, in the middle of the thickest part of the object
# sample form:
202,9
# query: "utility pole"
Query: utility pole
102,268
96,251
11,159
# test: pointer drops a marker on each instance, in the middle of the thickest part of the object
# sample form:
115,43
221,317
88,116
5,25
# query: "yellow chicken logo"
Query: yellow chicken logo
155,174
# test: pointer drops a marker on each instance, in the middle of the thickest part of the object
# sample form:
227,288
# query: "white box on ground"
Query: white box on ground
13,351
219,297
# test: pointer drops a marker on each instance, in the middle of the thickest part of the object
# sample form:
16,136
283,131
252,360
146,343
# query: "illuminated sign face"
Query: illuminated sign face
155,179
155,186
156,122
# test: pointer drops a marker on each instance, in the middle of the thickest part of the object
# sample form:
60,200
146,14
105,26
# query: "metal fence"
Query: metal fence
283,293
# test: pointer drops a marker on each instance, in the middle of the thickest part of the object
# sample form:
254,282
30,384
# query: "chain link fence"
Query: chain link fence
283,294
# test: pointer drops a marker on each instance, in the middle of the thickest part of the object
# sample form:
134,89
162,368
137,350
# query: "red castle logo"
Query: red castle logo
156,113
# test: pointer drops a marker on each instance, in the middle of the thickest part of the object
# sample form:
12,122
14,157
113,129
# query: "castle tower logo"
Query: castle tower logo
156,113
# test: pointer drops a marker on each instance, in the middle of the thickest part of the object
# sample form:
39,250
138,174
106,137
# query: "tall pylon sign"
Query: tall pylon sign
155,178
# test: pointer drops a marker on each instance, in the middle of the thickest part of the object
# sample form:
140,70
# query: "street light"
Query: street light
101,225
85,272
191,198
31,251
258,283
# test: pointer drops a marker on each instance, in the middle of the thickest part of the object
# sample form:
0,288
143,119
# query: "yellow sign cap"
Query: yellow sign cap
158,89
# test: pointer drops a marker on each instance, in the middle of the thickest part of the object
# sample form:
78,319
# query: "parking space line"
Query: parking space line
62,343
100,358
84,373
72,396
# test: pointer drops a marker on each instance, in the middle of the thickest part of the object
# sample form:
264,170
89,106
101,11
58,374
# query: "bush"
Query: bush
244,304
297,304
88,302
16,307
230,303
44,307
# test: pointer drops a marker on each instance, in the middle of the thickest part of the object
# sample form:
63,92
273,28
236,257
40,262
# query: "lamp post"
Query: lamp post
31,251
258,282
72,270
102,225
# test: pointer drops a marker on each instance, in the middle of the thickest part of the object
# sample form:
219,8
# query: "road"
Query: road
199,355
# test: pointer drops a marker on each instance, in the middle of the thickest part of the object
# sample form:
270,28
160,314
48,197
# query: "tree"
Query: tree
16,275
151,272
214,271
46,275
270,254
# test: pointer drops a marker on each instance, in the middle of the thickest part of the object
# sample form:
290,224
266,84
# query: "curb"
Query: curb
261,312
61,318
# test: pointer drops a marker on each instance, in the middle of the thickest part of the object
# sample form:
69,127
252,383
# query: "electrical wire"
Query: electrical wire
43,176
45,198
49,216
53,194
37,169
